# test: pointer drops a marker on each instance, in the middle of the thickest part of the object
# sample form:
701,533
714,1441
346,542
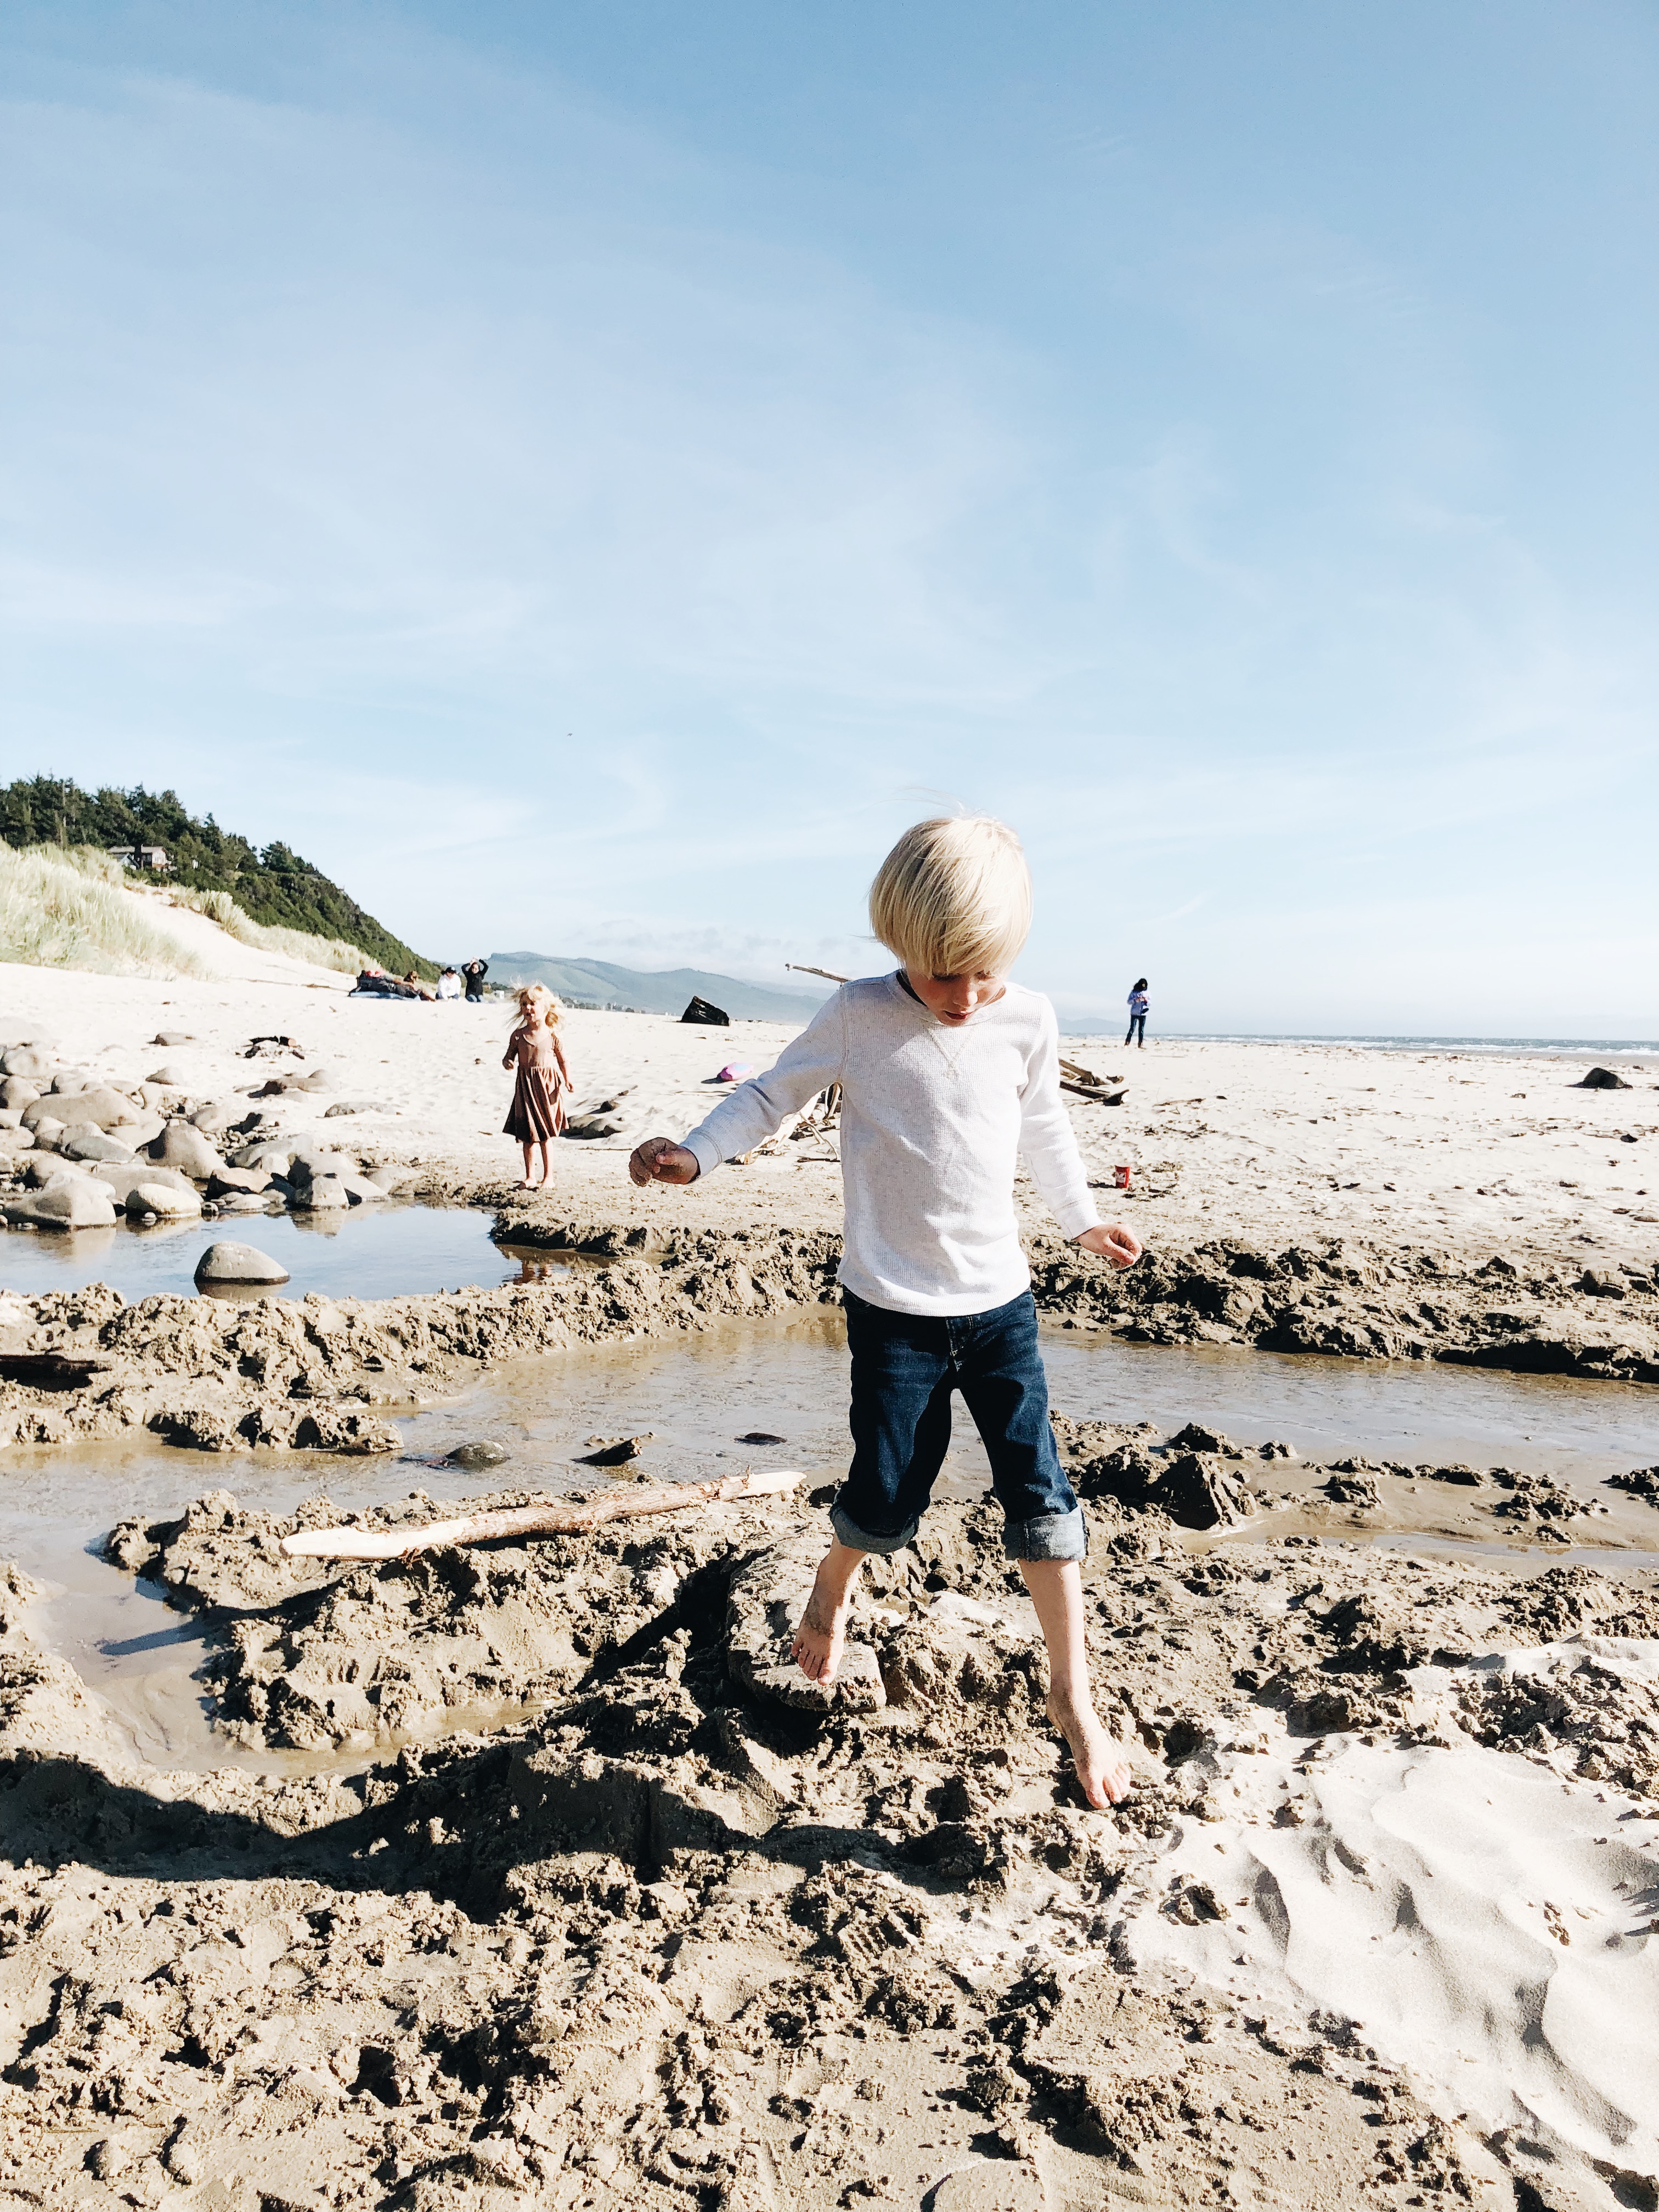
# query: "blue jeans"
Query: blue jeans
1137,1022
904,1369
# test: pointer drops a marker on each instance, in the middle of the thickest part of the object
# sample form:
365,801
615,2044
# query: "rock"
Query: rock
360,1191
16,1141
1601,1283
583,1127
39,1110
171,1078
324,1194
249,1202
700,1011
310,1161
390,1178
106,1109
71,1201
166,1038
216,1117
69,1080
162,1098
16,1091
1602,1078
225,1182
81,1141
474,1456
238,1263
119,1179
180,1147
47,1131
162,1200
31,1061
351,1106
270,1153
318,1079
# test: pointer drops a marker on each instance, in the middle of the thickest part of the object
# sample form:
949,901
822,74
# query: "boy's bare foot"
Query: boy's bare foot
1102,1771
822,1636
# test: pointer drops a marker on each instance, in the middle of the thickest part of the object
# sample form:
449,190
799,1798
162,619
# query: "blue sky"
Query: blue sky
587,480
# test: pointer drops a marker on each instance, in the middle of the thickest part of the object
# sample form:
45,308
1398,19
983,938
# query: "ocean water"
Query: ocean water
1570,1047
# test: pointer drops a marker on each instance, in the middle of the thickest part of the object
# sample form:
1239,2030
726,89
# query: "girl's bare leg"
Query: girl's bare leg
528,1150
547,1166
1102,1771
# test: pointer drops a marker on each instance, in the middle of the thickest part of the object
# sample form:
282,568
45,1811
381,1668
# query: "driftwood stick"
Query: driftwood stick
568,1519
828,973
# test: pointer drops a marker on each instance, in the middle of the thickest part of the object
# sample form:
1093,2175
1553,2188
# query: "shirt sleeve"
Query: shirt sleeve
1049,1141
757,1109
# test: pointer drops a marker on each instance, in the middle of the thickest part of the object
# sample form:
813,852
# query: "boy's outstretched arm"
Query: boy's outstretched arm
755,1109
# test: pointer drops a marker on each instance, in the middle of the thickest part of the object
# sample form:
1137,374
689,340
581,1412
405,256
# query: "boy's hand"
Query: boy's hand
1113,1242
659,1159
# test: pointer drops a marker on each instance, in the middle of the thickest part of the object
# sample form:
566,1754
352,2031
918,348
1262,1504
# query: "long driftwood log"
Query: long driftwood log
561,1520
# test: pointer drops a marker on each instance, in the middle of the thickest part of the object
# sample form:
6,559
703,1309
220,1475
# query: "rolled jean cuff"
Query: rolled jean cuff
1050,1536
860,1539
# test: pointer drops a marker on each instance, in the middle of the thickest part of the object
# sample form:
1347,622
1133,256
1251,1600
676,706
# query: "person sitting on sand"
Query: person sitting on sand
537,1115
948,1070
449,984
1139,1003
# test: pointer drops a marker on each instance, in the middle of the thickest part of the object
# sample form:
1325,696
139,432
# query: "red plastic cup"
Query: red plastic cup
1121,1177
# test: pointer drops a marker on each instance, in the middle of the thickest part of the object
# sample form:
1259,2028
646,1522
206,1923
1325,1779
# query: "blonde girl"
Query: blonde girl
537,1115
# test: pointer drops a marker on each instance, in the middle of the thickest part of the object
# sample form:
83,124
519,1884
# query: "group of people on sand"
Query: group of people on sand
466,982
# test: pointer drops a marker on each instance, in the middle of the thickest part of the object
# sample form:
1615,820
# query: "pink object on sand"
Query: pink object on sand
734,1071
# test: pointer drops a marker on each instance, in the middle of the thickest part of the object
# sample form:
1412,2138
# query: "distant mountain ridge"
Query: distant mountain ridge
662,991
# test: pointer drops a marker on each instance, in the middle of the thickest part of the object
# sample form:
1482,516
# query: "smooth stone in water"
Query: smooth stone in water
238,1263
224,1183
119,1180
479,1454
72,1201
162,1200
324,1194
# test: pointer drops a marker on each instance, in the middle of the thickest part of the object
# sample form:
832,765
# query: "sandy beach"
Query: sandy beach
534,1874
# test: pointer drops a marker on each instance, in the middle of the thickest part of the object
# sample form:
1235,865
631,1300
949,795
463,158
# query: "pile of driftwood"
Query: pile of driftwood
1105,1091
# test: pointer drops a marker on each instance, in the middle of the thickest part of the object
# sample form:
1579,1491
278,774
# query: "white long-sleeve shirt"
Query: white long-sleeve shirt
932,1119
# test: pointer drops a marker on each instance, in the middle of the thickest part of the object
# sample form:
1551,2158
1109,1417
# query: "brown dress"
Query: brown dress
537,1112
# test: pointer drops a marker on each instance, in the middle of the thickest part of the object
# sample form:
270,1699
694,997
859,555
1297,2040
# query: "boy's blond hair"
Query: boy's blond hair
954,896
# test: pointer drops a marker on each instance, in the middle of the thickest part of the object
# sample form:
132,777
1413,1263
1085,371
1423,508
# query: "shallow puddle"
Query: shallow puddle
380,1251
696,1399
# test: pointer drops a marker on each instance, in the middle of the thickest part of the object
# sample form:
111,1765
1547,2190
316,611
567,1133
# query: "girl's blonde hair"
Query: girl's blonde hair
537,1004
954,896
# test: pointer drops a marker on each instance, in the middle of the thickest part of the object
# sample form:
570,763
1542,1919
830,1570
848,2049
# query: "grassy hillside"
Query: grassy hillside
271,885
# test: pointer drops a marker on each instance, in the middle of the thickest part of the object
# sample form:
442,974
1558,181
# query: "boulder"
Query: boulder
171,1078
180,1147
706,1017
238,1263
47,1131
71,1078
118,1179
70,1202
17,1091
1602,1078
216,1116
104,1108
16,1141
164,1199
31,1061
323,1193
162,1098
39,1110
81,1141
242,1202
360,1190
242,1183
270,1153
305,1164
390,1178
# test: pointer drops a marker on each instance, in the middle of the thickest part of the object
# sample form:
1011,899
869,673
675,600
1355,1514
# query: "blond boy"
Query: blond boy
948,1070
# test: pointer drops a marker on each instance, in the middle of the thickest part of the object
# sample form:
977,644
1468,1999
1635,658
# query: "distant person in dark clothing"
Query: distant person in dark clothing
473,973
1138,1004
